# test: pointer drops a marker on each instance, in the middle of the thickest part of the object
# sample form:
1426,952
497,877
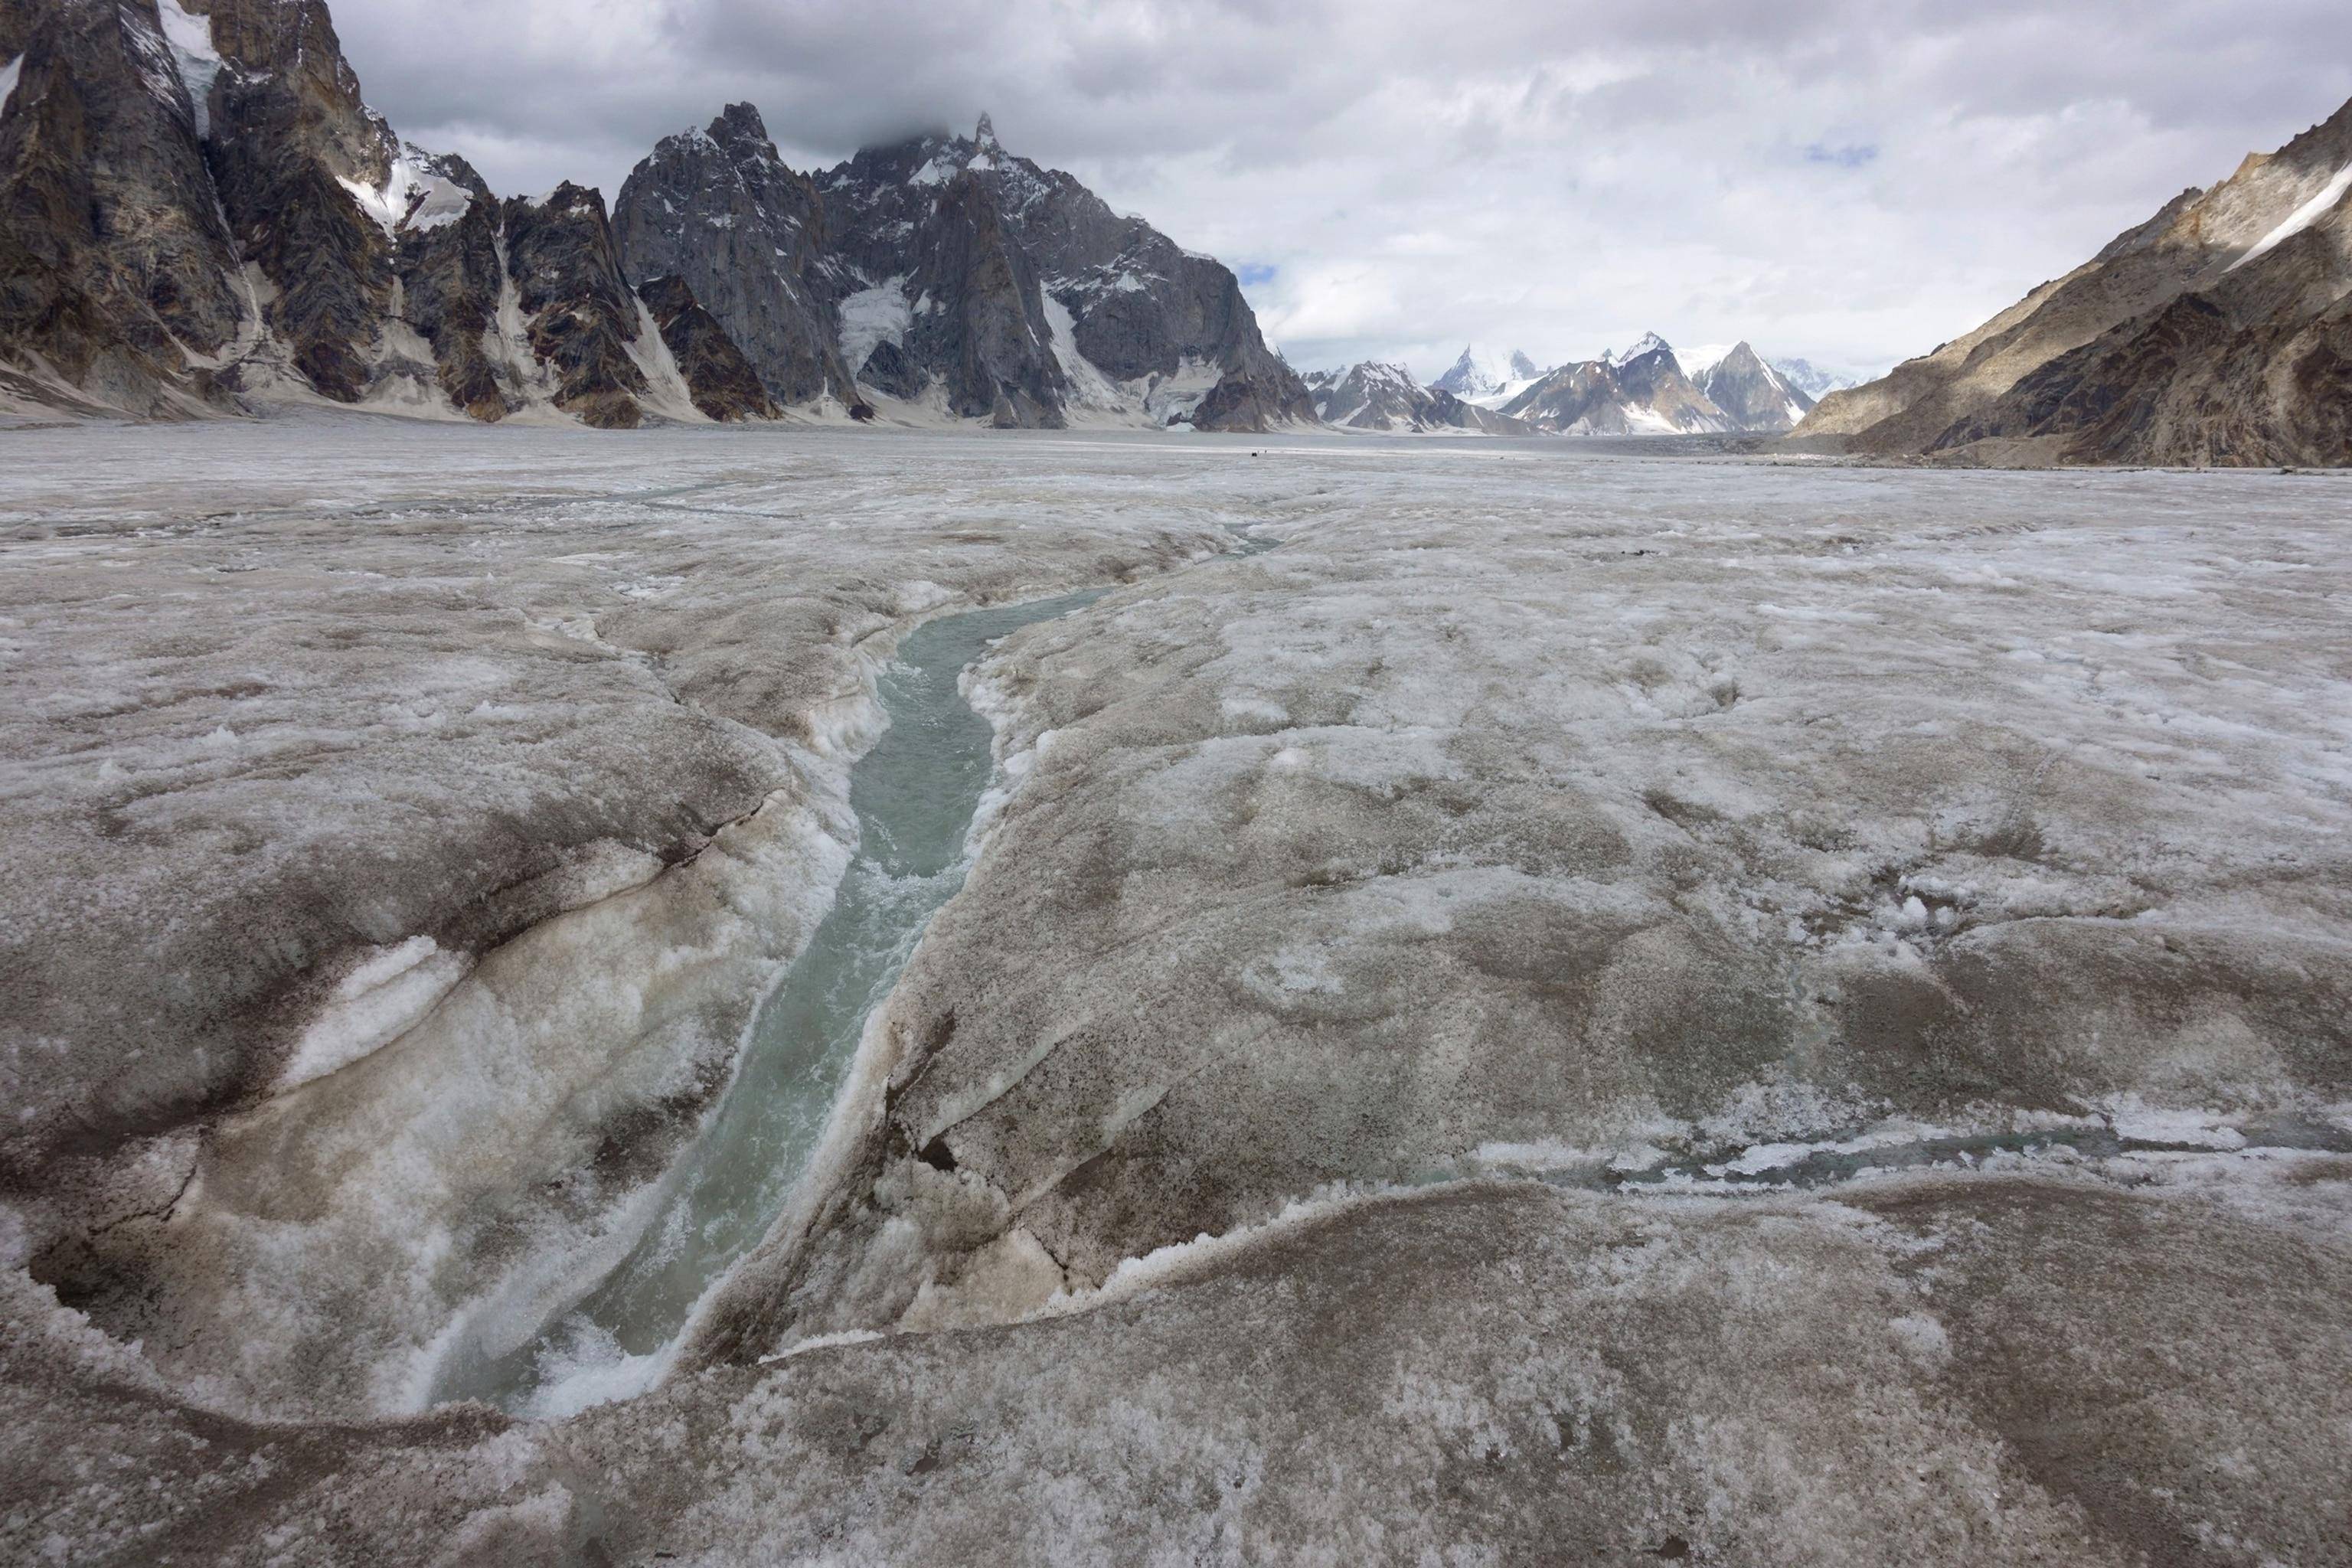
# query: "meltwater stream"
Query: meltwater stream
914,794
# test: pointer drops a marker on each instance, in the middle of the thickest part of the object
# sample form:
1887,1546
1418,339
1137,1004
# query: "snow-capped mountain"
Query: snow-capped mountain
1376,396
1641,391
206,215
1752,395
1485,373
945,277
1814,381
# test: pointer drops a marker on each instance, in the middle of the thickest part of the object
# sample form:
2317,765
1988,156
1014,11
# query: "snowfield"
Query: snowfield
1527,1005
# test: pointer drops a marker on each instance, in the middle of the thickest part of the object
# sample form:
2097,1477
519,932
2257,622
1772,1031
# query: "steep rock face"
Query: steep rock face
450,274
201,208
724,382
1752,395
718,209
1642,392
1374,396
1124,323
114,264
985,330
584,316
2212,333
290,143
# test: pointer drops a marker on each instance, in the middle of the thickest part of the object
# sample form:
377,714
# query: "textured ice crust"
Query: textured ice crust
424,817
1310,1135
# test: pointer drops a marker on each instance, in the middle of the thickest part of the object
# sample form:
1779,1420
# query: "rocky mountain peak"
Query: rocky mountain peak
983,136
1482,372
1651,343
1751,394
739,128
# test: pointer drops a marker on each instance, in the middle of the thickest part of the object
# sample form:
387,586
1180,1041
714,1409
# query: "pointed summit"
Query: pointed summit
1482,371
1651,343
984,135
738,123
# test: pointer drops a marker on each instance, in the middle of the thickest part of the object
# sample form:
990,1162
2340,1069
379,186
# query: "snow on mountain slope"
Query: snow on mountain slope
1751,394
1385,398
1482,371
1815,380
1643,392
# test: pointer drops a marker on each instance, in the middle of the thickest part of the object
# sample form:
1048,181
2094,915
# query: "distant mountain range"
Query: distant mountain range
1647,390
2218,332
204,216
1385,398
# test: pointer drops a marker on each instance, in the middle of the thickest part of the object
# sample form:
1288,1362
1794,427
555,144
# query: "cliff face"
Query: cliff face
720,212
201,212
725,384
947,273
116,271
2214,333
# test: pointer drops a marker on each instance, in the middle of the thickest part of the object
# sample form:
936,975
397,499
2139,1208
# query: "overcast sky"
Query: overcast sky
1852,181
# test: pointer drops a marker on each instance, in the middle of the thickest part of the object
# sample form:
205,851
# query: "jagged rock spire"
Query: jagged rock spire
985,135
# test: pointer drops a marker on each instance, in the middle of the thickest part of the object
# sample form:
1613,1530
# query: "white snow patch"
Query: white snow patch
191,40
872,316
589,1368
8,74
1697,362
1089,387
2301,218
822,1342
2143,1123
411,196
375,1004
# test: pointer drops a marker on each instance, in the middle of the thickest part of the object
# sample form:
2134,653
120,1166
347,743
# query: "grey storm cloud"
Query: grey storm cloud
1850,182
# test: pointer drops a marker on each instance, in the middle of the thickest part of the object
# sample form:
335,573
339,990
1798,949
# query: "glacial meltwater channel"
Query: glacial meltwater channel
914,796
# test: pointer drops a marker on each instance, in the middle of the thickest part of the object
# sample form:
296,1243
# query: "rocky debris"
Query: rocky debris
1752,395
1374,396
1643,392
114,262
2213,335
718,209
724,382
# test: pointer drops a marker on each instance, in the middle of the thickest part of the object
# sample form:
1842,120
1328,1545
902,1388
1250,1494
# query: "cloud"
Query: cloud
1850,180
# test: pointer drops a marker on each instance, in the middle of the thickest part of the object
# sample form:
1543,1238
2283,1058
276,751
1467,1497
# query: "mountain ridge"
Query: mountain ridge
209,219
2217,332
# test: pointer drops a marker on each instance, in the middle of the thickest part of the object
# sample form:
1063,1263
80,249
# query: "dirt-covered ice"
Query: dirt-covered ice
1578,1007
